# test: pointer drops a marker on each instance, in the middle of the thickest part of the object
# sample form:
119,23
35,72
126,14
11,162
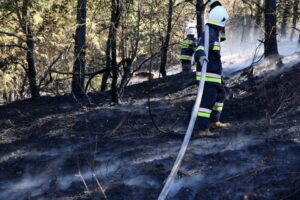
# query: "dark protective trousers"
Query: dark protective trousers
186,65
211,105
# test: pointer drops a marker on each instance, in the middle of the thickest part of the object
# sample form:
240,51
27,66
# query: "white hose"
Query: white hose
170,180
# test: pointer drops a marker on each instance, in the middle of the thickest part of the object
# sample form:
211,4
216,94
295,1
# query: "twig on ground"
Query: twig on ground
121,122
245,173
284,99
290,195
83,181
99,185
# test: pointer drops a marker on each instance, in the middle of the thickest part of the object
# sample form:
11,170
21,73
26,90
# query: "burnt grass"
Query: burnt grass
49,145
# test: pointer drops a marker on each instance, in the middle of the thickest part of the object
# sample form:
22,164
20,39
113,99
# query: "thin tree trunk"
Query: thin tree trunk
270,44
107,60
116,21
200,17
79,50
285,18
24,21
126,64
31,64
129,55
258,17
111,50
295,17
165,46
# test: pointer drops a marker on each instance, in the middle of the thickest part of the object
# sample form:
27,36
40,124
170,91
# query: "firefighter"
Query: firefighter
214,91
188,47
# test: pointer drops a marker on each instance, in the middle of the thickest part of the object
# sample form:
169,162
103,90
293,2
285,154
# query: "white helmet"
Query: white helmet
218,16
211,2
190,31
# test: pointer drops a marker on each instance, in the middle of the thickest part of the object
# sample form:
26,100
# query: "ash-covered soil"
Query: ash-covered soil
58,148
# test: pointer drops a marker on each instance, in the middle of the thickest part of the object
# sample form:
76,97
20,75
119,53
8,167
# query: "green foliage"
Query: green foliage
142,28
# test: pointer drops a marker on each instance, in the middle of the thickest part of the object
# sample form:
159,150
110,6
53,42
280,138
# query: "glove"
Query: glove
202,59
222,81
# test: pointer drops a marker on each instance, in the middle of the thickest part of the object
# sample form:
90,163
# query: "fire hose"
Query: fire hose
164,193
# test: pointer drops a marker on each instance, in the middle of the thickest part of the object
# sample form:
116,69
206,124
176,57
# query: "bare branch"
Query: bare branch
85,74
296,29
13,46
52,64
12,35
250,4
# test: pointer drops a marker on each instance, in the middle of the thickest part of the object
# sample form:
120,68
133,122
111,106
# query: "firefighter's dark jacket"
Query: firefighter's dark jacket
214,67
188,47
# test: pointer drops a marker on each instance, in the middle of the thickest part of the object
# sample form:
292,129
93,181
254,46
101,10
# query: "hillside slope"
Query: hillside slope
51,147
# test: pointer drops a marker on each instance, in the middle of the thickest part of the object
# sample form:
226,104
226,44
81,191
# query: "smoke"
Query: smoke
27,187
142,181
243,47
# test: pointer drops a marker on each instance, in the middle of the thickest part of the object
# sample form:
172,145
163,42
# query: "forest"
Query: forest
95,102
60,47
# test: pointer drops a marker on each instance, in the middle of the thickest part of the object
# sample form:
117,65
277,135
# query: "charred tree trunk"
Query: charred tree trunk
31,73
258,15
116,21
114,89
111,50
200,16
270,43
126,65
166,41
24,21
107,60
295,17
79,50
285,18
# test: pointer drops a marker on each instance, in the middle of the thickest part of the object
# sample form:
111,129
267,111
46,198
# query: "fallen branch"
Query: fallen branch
245,173
99,185
83,181
121,122
290,195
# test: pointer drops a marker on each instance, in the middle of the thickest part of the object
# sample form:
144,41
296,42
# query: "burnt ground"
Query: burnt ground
58,148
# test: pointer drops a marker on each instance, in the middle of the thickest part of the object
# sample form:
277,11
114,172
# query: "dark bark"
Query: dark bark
126,64
166,41
270,43
114,89
285,18
116,21
107,60
200,8
79,50
111,50
31,64
24,21
295,16
258,15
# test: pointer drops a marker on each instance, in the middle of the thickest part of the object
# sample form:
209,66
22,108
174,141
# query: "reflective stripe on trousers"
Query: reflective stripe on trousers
210,77
204,112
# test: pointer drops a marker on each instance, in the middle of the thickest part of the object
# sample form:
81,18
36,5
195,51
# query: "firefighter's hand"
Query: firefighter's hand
203,59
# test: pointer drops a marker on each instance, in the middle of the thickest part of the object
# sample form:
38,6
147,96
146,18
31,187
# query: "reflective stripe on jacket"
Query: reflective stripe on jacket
188,47
214,66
